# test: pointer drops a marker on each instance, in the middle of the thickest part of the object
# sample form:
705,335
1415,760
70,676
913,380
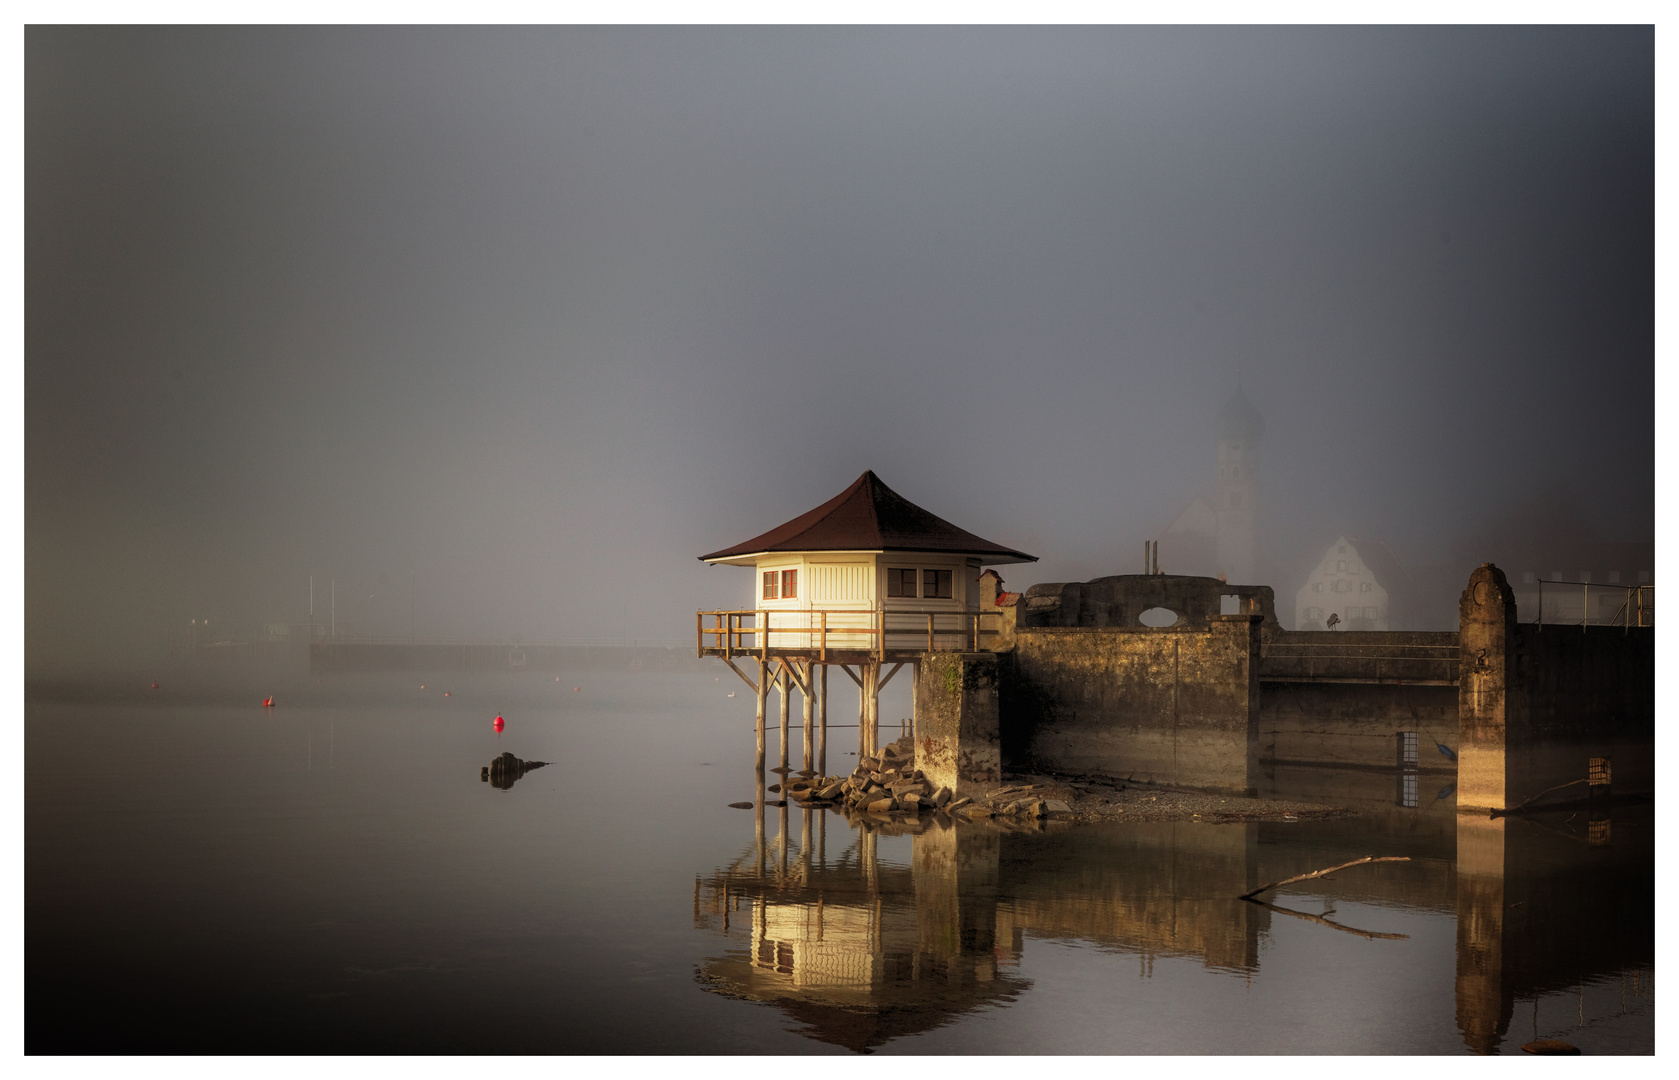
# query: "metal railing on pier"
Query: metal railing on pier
1637,609
818,632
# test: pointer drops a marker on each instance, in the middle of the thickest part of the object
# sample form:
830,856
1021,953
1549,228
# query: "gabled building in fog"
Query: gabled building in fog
1360,583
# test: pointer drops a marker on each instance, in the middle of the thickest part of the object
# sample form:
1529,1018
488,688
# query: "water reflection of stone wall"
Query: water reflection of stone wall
860,952
1156,888
1545,903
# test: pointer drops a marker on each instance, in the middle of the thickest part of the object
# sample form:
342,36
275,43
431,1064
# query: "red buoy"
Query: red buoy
575,689
500,723
154,686
445,693
268,703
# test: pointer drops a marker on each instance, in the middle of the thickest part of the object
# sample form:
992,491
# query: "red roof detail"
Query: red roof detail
1007,599
869,516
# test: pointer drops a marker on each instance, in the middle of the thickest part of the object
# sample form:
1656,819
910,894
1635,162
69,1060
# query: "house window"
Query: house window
772,584
1340,586
938,584
900,582
1614,577
1317,586
1408,748
789,584
1366,586
1342,550
1586,576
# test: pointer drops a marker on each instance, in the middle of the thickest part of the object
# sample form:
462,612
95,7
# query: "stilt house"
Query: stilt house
866,579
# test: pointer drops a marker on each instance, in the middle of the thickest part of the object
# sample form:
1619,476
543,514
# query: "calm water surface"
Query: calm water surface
332,875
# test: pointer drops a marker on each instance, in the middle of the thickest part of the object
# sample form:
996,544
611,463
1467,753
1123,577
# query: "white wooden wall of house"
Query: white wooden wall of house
851,586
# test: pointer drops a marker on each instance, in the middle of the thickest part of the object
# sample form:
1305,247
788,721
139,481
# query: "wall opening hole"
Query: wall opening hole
1230,604
1158,617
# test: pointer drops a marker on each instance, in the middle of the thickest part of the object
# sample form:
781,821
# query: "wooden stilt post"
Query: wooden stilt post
809,715
784,682
822,721
871,687
763,692
863,708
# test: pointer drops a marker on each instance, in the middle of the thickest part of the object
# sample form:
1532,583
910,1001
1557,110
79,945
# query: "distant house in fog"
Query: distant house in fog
1358,581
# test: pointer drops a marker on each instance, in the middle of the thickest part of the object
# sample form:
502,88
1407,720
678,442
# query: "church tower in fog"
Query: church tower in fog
1217,533
1236,495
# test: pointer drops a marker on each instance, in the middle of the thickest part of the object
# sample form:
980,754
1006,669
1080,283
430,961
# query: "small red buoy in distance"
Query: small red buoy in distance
500,723
154,686
575,689
268,703
445,693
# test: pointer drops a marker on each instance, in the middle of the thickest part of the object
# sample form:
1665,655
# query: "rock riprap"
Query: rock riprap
888,783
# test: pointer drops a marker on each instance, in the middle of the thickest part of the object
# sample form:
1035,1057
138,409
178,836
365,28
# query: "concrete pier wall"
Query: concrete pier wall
1510,709
957,743
1170,706
1537,703
1357,724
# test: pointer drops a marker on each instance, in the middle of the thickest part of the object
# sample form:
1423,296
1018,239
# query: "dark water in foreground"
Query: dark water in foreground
333,876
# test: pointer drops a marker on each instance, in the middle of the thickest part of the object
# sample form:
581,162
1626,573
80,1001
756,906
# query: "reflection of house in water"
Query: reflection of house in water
861,952
857,951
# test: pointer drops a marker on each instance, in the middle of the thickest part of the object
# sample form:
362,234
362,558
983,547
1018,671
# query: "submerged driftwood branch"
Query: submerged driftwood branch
1322,873
1534,799
1372,934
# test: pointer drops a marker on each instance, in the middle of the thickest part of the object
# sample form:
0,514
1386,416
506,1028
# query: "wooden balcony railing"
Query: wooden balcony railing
765,633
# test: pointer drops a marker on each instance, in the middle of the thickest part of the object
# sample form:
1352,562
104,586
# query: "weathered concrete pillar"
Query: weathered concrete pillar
957,744
1486,632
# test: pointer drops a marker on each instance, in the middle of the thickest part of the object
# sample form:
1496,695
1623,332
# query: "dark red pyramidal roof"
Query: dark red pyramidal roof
869,516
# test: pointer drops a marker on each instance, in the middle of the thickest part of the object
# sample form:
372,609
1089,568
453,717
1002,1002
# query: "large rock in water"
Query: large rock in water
506,770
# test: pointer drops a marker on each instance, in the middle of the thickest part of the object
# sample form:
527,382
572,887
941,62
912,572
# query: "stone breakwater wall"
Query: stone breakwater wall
1161,706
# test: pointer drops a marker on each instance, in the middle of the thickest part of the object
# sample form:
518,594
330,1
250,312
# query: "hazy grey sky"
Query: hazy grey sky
511,324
